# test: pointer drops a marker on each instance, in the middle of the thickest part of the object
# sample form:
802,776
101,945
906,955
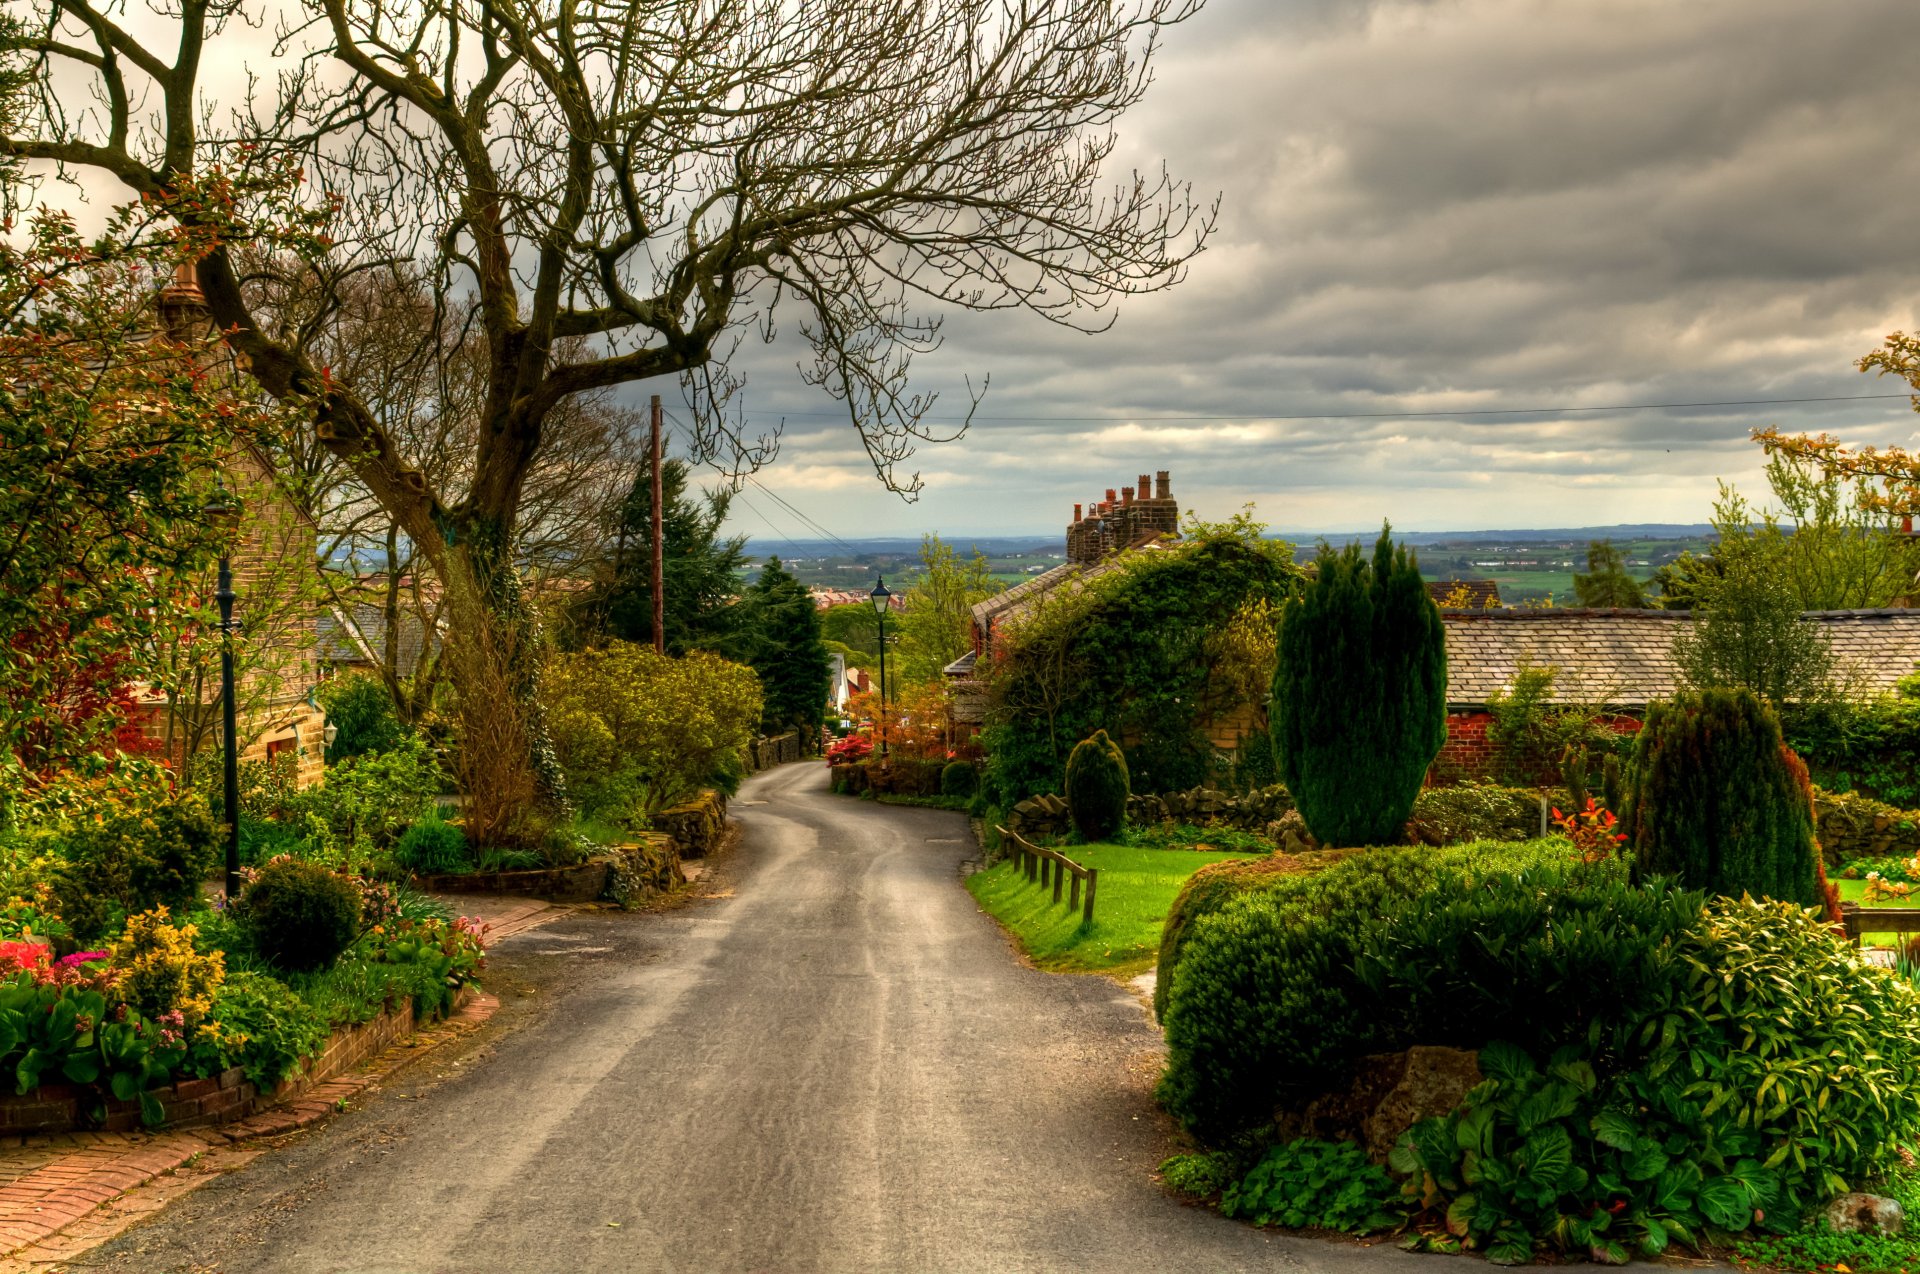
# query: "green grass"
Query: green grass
1855,891
929,802
1137,887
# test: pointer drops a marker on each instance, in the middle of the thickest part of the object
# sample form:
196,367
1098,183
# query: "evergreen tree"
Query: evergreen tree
1097,787
1716,798
1359,695
1606,582
700,569
782,642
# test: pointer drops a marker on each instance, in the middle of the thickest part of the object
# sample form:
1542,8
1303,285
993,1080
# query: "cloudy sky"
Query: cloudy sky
1443,206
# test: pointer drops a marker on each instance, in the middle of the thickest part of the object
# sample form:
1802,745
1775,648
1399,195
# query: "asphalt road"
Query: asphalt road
837,1064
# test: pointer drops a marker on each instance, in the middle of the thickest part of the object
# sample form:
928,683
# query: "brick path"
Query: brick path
61,1195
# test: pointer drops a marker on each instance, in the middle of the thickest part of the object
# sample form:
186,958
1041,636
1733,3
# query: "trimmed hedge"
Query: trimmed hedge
1205,892
1271,1000
959,779
299,916
1467,812
1097,787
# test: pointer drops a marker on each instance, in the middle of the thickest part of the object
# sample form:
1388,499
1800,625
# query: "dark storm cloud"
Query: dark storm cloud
1453,206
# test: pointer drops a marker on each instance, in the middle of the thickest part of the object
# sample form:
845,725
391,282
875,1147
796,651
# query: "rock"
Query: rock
1388,1094
1864,1214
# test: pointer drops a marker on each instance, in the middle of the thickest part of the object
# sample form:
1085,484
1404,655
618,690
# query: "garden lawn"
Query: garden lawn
1137,888
1855,891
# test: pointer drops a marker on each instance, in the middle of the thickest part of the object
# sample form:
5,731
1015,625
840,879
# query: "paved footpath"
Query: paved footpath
835,1065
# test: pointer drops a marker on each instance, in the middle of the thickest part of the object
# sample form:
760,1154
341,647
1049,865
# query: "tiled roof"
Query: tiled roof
1625,657
340,640
1468,594
961,667
984,612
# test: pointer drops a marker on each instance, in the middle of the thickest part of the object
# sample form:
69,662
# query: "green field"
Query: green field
1137,888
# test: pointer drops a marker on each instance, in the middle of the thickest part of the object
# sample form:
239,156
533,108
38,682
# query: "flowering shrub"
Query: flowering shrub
62,1028
35,918
1591,831
161,975
445,954
855,747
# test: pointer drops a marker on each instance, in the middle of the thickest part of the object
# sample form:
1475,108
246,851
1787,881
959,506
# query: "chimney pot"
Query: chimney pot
1163,484
1126,495
1112,495
1146,487
1076,513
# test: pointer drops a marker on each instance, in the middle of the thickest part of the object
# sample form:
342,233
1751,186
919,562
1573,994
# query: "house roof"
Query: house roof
1022,599
1468,594
344,626
1625,657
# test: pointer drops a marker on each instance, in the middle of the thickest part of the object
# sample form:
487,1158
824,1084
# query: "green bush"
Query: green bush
959,779
1097,787
1280,990
1317,1185
1199,1175
143,851
1771,1073
299,916
433,847
1359,694
1716,799
1207,890
1466,812
361,711
272,1030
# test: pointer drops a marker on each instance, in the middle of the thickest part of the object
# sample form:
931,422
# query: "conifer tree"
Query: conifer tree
1097,787
1359,693
782,643
1716,798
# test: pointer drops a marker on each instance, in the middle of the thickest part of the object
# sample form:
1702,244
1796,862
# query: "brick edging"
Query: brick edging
94,1168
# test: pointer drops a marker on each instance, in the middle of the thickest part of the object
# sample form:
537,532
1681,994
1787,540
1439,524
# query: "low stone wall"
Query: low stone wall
1852,826
192,1103
891,776
1047,815
696,826
582,882
775,750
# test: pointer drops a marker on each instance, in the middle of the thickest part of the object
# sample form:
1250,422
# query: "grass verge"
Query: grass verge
1137,888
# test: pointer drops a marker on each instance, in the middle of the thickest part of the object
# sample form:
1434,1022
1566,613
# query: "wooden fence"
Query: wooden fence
1051,867
1864,920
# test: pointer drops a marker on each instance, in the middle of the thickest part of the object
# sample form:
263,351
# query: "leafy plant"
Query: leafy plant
446,955
139,851
1359,696
1097,787
1717,799
362,713
160,972
265,1027
1199,1175
1316,1185
1591,829
1463,812
298,915
433,847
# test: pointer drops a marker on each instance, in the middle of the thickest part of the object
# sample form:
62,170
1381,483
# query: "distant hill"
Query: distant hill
1009,545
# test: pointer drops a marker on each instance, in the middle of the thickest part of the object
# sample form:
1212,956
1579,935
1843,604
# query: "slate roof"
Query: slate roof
339,645
1023,598
1625,657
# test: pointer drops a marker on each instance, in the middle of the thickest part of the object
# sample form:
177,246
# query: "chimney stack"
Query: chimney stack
1146,488
1076,513
1163,488
1112,495
1126,495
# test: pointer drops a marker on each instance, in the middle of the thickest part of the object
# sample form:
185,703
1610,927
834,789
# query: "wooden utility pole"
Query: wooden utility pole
659,544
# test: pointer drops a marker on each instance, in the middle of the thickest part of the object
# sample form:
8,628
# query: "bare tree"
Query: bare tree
652,180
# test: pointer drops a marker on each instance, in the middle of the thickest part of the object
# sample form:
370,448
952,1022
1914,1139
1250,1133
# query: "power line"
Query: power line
1401,415
805,521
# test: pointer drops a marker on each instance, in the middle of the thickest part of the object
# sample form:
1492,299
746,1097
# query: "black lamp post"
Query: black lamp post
220,511
880,598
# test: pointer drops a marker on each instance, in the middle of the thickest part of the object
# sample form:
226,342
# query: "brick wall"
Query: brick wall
1469,754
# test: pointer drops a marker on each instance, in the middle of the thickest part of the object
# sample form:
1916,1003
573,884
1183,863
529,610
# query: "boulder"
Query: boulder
1864,1214
1388,1094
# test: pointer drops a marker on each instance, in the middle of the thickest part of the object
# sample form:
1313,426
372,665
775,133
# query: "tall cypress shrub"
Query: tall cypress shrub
1360,693
1097,787
1715,797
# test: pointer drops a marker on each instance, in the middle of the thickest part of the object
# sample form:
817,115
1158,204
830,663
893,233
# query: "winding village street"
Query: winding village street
837,1064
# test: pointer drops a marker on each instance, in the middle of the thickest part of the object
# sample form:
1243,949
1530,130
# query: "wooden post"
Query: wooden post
659,547
1093,879
1058,872
1073,893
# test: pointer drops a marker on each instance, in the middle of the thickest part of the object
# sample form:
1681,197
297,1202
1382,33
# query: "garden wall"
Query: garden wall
1852,826
220,1099
696,826
775,750
893,776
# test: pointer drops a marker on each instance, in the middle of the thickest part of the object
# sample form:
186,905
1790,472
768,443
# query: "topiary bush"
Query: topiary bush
433,847
1279,991
1464,812
959,779
299,916
1359,694
1097,787
1207,890
1717,799
142,852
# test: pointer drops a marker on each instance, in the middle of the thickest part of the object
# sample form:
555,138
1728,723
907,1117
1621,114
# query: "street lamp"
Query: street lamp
880,598
222,512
